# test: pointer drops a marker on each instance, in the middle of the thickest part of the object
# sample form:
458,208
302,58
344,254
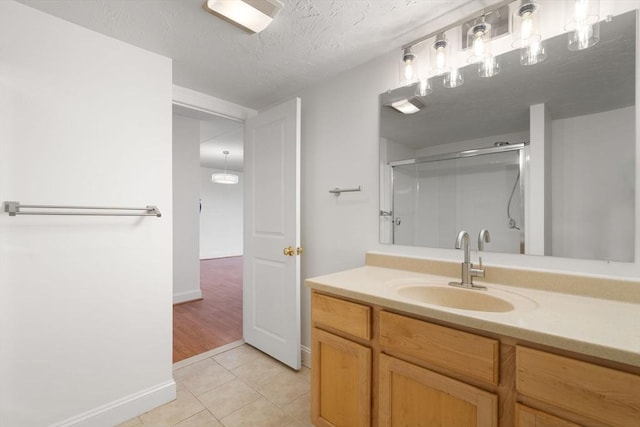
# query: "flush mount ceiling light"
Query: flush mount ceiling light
407,106
252,16
224,178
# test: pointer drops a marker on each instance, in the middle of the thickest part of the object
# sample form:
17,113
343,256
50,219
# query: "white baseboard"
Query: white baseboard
306,356
220,255
187,296
124,409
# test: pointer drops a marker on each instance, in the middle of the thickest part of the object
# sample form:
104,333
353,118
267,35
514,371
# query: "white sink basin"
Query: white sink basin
491,300
463,299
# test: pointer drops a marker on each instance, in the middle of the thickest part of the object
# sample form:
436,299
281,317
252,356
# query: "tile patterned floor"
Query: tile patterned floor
238,387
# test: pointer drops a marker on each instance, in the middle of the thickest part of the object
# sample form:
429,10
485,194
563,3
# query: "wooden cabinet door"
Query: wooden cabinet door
341,381
414,396
529,417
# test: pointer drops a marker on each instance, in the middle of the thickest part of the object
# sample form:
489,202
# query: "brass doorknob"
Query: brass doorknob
299,250
288,251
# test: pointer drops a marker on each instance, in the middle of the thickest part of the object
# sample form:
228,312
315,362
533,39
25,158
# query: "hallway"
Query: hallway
216,319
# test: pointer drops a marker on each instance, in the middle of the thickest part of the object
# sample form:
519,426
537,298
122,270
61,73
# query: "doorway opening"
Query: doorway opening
210,316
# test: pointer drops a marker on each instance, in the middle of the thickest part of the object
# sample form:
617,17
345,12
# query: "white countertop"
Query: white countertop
596,327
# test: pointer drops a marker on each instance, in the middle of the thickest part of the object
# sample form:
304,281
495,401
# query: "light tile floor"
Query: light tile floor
238,387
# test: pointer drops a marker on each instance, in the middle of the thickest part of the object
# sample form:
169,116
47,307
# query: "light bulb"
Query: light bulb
478,41
408,68
408,71
440,58
478,44
581,12
526,26
440,52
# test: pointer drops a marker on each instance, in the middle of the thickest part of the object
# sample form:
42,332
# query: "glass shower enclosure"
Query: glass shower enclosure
435,197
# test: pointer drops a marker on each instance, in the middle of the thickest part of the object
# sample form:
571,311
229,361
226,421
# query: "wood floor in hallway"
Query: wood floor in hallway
216,319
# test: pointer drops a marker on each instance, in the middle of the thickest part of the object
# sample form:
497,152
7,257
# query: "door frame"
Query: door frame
200,106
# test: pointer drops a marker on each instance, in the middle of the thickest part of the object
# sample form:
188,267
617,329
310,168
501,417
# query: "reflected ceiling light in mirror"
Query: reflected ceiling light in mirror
407,106
533,54
408,67
423,88
224,178
583,25
440,55
489,67
453,79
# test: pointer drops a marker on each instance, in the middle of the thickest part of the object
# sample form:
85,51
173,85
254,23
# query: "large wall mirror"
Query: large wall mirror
467,160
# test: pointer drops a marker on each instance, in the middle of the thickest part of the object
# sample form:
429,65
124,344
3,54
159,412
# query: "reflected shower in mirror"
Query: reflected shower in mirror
569,193
439,195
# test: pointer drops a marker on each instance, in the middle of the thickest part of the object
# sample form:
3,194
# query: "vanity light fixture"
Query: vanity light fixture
440,55
252,16
478,38
224,178
583,26
423,88
408,67
526,34
407,106
453,79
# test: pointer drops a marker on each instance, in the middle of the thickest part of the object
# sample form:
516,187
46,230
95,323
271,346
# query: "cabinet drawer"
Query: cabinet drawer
600,393
458,351
345,316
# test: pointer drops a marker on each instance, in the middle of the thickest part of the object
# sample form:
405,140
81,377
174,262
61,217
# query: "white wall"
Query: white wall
581,198
221,217
340,141
186,184
85,302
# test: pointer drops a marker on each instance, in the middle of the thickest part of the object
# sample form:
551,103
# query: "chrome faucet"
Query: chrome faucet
468,272
483,237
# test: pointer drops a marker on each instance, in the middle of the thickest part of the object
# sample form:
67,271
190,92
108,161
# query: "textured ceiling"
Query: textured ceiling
308,42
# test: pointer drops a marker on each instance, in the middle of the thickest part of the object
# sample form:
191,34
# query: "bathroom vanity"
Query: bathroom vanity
393,344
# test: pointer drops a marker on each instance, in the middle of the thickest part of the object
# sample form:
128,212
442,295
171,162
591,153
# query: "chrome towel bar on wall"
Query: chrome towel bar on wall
337,191
15,208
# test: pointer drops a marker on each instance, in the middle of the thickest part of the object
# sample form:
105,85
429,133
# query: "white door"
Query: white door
271,284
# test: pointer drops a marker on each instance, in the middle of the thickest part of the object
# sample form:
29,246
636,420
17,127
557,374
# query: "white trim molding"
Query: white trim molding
198,101
124,409
306,356
181,297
